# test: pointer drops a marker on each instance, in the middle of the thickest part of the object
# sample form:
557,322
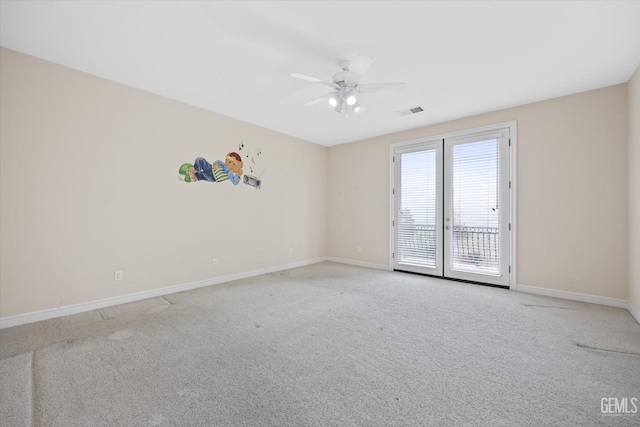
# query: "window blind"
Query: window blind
416,216
475,207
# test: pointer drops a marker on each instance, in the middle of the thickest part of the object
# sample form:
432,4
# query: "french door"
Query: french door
451,207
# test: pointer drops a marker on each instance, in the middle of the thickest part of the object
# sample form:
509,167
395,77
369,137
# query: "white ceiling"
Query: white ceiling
235,58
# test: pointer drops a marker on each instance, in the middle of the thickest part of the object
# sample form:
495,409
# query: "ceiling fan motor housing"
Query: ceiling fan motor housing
343,79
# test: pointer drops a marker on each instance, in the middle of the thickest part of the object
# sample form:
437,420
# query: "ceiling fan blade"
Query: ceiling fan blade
358,68
319,99
305,77
361,65
312,79
381,87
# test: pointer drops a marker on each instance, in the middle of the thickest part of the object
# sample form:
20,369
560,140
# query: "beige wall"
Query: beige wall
634,189
572,192
89,185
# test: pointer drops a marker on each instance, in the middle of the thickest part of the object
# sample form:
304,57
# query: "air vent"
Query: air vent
410,111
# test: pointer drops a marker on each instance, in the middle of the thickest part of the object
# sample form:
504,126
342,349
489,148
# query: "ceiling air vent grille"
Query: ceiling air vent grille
410,111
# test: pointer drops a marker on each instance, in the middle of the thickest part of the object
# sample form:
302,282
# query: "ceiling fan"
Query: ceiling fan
346,86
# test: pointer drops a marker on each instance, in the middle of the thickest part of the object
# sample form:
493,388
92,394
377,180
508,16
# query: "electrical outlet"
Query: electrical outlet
215,261
359,248
290,251
117,275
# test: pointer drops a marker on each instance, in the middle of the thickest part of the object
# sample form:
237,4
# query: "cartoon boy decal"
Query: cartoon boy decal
201,170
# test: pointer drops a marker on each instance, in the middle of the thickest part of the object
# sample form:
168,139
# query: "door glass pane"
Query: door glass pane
416,214
475,208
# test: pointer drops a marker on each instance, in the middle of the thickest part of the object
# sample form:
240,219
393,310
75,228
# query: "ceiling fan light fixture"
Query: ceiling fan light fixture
357,107
333,101
351,99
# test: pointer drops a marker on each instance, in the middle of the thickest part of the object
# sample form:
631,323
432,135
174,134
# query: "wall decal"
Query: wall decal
252,180
229,170
202,170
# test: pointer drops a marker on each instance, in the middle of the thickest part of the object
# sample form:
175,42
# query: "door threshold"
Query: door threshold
454,280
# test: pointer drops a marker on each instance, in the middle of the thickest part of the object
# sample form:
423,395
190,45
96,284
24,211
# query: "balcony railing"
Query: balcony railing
472,248
476,245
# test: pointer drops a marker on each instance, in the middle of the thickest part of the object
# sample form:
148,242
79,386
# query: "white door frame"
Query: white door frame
513,144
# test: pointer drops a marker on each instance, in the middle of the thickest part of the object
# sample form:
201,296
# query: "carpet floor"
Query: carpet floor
326,345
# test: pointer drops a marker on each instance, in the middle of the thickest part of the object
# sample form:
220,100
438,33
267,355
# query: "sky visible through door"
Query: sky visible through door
475,185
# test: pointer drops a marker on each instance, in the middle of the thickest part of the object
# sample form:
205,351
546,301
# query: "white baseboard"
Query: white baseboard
359,263
634,311
575,296
36,316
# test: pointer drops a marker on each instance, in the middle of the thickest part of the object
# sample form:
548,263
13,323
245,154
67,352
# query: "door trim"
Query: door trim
513,134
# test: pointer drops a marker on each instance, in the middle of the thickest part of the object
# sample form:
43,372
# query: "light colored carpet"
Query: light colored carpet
325,345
